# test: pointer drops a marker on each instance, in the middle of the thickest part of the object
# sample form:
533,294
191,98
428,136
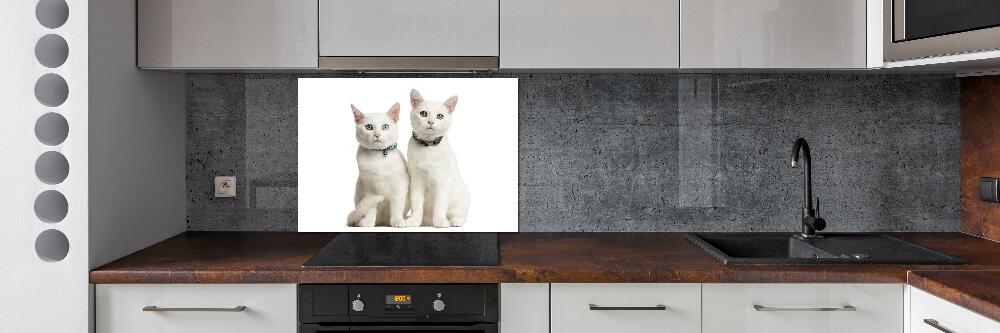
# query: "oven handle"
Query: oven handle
484,327
313,328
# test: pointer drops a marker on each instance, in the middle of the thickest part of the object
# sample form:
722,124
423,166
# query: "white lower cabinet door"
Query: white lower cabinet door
930,314
190,308
524,308
802,308
625,307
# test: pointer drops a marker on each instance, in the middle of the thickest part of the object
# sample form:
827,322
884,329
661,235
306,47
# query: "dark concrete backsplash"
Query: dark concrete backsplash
639,152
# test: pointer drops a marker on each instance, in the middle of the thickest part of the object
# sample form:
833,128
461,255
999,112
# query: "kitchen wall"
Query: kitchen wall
980,151
638,152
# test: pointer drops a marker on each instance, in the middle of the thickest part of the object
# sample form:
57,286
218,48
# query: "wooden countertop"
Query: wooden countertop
277,257
670,257
973,290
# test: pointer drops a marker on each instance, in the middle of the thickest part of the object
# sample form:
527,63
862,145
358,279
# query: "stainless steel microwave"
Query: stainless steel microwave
916,29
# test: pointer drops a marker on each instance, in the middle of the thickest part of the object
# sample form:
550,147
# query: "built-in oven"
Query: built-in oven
385,308
916,29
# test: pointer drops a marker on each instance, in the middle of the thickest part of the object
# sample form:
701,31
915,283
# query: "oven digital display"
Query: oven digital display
398,299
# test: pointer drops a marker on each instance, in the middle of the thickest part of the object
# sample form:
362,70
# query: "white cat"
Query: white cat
381,193
438,195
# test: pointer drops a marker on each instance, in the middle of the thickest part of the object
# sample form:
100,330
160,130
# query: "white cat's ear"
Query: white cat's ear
394,112
450,103
358,116
415,98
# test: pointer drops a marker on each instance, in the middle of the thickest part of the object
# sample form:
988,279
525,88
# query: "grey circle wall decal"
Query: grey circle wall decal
51,129
51,51
52,13
52,167
51,206
51,90
52,245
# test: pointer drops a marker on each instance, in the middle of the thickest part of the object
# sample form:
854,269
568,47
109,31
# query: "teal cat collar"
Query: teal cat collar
385,152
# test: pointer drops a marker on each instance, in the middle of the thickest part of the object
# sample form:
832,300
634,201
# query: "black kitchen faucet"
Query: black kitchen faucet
810,221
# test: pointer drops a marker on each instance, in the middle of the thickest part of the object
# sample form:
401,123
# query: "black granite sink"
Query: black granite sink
832,248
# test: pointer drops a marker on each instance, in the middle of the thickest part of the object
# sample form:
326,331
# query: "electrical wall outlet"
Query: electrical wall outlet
988,189
225,187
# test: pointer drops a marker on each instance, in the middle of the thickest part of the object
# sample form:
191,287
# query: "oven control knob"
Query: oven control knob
438,305
358,305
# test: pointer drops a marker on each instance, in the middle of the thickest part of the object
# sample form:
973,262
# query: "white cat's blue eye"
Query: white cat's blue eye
385,127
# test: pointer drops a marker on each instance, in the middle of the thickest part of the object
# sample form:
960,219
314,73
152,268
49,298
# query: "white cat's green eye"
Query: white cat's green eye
369,127
440,116
423,113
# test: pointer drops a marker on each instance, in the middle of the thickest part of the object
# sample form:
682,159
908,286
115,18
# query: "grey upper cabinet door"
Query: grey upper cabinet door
773,34
408,28
227,33
580,34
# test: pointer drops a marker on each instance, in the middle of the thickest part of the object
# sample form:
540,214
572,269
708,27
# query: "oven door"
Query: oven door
916,29
474,328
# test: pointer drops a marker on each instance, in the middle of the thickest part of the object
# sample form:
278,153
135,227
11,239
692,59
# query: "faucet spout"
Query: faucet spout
810,222
807,188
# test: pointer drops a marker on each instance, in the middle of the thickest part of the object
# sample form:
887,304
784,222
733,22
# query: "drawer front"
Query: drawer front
269,308
454,28
796,308
946,315
680,307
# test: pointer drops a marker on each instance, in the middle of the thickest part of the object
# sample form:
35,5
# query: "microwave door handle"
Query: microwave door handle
898,18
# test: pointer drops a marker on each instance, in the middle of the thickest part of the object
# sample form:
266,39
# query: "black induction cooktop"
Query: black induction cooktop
409,249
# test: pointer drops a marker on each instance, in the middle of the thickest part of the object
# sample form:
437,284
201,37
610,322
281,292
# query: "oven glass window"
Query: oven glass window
929,18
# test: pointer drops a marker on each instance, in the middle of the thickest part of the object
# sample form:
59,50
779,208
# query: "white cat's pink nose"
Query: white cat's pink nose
430,123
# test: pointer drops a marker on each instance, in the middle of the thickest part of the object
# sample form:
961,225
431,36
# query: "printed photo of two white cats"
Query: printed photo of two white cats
407,155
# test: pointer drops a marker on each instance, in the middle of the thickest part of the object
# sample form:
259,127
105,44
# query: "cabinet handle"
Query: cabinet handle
595,307
159,309
848,307
935,324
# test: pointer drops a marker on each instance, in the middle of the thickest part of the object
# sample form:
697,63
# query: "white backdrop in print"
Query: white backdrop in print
483,135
